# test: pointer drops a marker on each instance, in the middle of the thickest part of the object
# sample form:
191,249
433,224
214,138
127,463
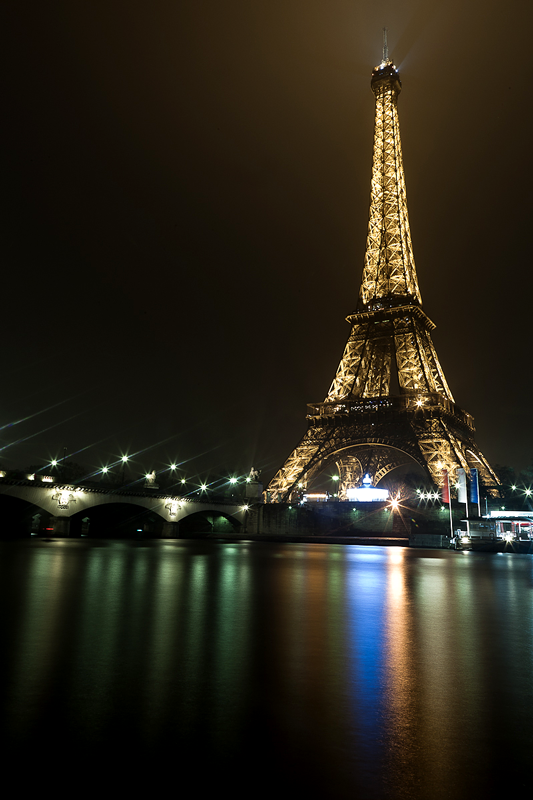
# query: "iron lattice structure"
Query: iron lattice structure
389,404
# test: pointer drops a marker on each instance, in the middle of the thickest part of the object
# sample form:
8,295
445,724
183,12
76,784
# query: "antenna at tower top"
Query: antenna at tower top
385,46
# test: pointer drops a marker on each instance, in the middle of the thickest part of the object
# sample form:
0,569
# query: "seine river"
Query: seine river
266,670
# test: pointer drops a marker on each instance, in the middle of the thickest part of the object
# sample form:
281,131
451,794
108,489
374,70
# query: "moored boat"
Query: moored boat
501,531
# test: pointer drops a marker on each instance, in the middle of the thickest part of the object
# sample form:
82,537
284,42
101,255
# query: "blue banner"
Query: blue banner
474,486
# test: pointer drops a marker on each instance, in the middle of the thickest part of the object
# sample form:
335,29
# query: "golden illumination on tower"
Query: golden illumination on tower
389,262
389,404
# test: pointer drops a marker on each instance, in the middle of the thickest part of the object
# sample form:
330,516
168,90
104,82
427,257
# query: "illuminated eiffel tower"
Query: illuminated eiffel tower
389,404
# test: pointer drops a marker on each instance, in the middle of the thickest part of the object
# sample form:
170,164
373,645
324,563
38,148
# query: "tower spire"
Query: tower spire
385,47
389,268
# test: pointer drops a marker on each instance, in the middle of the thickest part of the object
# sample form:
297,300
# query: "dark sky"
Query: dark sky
187,188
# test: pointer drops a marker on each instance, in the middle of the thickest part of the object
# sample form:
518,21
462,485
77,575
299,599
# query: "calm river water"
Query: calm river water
271,669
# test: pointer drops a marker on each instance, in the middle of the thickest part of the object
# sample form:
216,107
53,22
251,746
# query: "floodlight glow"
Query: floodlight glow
124,459
183,480
104,469
394,504
203,487
173,466
53,463
334,477
233,480
245,508
528,492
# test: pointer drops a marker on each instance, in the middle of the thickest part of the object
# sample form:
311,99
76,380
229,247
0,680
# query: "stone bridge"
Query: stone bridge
63,510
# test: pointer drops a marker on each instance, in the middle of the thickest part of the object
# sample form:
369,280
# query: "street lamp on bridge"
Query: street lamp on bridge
124,462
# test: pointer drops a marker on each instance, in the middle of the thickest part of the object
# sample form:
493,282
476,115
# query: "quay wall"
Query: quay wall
353,519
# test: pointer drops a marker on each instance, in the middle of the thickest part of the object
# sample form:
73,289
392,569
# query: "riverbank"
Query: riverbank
382,541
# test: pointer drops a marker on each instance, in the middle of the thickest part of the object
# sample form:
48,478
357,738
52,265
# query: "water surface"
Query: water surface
341,670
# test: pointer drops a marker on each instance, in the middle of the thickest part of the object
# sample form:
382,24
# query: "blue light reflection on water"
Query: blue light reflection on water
366,640
383,672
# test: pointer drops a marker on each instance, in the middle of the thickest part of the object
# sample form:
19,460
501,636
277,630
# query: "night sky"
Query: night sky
186,204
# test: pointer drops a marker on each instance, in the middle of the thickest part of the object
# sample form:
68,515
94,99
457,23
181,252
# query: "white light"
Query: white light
465,539
315,497
173,466
104,469
203,487
233,480
54,463
367,493
362,494
245,508
124,459
183,480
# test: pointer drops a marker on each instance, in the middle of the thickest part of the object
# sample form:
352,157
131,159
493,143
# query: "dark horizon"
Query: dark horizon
187,192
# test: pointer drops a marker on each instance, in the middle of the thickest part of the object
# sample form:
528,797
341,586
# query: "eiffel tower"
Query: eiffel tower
389,404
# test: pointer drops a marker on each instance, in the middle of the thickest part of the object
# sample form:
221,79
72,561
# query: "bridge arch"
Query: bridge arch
118,520
20,517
